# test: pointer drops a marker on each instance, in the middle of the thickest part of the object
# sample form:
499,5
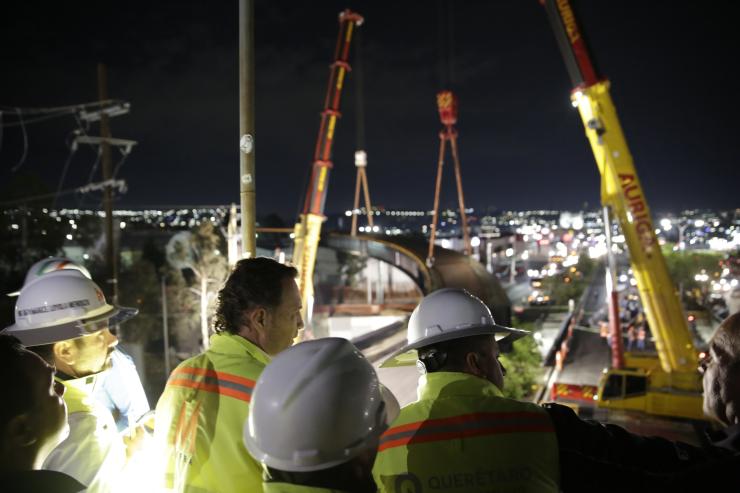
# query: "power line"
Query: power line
90,187
69,109
25,143
71,154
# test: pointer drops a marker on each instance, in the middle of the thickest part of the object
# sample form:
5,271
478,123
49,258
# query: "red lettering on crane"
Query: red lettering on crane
638,208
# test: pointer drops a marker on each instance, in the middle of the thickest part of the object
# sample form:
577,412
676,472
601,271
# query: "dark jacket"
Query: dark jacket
603,457
41,481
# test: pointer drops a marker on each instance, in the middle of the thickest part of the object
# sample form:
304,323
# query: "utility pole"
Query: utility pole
111,258
246,128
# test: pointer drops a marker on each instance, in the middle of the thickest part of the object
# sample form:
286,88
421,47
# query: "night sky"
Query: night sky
521,143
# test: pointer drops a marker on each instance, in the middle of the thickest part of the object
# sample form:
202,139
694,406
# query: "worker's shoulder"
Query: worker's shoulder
559,409
217,364
465,404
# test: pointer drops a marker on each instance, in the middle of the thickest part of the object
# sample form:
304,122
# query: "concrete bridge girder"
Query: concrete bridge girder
450,269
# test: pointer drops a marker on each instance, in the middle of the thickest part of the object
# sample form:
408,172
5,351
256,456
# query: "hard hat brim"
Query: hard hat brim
40,336
407,355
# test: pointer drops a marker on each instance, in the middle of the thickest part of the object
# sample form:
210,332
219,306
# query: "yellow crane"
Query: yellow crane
668,385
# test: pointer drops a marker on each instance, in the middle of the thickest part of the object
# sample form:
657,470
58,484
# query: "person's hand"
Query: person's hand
135,439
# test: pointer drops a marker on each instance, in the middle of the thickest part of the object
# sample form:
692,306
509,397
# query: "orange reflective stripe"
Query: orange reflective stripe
229,377
185,429
213,381
465,426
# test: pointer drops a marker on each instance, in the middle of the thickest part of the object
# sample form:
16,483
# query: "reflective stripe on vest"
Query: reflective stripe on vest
463,426
463,436
217,382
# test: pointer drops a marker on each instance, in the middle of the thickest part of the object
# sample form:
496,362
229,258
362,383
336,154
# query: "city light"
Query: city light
701,277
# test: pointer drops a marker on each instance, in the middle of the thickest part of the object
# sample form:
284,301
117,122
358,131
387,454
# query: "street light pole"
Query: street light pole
246,128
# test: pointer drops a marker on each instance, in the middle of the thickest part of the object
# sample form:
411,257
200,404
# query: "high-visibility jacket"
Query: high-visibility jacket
94,452
294,488
462,435
200,417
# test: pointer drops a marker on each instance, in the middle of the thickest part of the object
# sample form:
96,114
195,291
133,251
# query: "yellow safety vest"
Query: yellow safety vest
462,435
94,453
200,417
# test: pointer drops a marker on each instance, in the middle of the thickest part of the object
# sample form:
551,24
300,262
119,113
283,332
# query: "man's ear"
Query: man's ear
20,431
256,319
65,352
472,365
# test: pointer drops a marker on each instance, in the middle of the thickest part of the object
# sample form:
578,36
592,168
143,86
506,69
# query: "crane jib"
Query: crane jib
572,43
640,213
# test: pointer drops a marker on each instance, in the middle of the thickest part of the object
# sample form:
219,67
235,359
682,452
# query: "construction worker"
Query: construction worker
462,435
316,417
63,317
33,421
120,388
720,371
631,336
206,400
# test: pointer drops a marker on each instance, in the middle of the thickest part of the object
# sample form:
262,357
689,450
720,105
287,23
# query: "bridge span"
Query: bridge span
450,269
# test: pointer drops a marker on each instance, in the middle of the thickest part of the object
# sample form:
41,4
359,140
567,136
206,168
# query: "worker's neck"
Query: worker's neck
252,336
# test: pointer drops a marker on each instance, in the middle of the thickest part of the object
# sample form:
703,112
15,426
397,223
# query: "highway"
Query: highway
588,352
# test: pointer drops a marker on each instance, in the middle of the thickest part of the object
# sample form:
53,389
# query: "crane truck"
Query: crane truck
307,231
669,384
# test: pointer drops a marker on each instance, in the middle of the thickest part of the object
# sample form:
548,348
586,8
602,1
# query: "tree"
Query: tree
523,366
27,234
199,255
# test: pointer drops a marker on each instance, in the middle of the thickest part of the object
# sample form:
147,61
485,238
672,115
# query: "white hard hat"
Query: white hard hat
51,264
449,314
318,404
61,305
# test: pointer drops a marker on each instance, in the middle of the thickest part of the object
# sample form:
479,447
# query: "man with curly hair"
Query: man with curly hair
205,403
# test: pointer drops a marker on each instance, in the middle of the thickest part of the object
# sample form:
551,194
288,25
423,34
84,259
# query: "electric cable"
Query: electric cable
28,121
90,187
73,108
125,151
25,143
72,151
95,165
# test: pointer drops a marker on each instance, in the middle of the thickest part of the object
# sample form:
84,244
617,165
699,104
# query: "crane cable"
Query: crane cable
446,43
359,92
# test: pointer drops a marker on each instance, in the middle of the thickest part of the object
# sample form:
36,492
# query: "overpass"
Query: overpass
451,269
